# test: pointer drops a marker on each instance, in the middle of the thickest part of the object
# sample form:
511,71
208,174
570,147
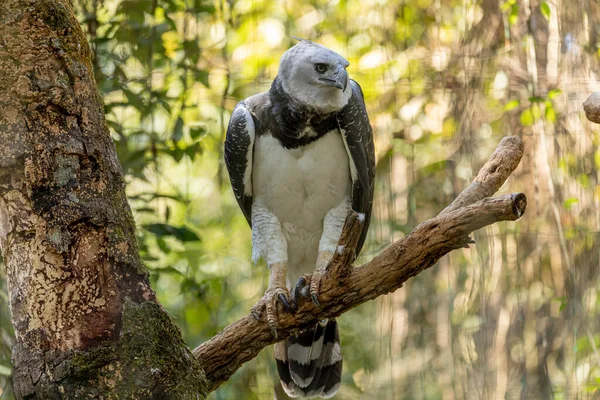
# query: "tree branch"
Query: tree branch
473,209
592,107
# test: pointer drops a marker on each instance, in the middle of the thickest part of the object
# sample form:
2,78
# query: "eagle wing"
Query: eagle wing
239,148
357,133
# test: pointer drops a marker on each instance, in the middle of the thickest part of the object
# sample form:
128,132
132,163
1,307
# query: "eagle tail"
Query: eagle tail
310,364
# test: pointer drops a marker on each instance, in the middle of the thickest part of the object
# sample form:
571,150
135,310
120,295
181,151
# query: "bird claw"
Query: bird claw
315,300
255,314
315,287
286,304
268,304
308,287
300,289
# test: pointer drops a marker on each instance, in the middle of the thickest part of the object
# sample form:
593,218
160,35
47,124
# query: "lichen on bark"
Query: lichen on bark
139,366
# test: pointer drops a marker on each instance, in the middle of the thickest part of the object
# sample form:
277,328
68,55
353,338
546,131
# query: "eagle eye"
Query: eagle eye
321,68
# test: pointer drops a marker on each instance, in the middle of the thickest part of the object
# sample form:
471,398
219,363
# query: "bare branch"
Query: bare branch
491,177
473,209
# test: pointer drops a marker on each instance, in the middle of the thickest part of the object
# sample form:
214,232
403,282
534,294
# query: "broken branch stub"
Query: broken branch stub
592,107
345,253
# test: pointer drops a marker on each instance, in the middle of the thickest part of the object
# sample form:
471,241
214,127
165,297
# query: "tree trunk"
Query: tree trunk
87,323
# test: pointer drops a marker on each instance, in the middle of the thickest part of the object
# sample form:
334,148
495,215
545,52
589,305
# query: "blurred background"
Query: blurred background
516,316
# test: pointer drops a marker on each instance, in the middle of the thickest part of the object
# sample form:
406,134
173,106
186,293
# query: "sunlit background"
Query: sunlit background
517,316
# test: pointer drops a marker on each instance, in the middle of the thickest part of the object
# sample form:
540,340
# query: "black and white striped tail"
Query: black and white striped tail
310,364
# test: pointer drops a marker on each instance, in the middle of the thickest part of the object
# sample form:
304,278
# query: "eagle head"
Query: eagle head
315,76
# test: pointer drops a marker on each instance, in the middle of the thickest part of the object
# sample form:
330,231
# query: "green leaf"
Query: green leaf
192,50
202,77
176,153
180,233
554,93
569,202
545,9
536,99
514,14
134,99
192,150
511,105
526,117
145,210
4,370
178,130
197,131
549,112
563,302
162,245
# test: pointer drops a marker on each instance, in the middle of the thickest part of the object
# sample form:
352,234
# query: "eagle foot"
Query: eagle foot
268,305
301,289
308,287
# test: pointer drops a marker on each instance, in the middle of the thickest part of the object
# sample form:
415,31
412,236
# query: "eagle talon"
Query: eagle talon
315,300
269,305
286,304
257,310
315,287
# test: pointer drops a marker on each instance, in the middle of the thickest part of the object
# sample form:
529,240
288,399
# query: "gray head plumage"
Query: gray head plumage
315,76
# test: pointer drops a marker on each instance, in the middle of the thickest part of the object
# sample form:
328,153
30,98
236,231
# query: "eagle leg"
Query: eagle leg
276,292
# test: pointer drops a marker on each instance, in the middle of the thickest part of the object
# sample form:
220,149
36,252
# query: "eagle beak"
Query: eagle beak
340,80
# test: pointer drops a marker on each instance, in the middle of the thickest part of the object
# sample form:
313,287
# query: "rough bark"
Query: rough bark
87,323
473,209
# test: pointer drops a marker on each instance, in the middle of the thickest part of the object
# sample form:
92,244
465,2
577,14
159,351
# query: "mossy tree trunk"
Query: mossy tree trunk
87,323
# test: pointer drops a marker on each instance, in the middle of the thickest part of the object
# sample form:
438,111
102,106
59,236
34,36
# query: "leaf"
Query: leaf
526,117
192,50
563,302
177,153
180,233
568,203
4,370
178,130
549,112
511,105
202,77
145,210
162,245
554,93
514,14
192,150
545,9
134,99
197,131
536,99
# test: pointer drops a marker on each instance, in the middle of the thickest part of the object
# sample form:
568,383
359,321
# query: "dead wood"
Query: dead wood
592,107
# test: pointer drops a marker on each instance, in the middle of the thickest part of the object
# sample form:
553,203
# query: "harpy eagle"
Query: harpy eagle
299,157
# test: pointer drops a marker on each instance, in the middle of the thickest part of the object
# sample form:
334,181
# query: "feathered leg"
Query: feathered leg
269,243
309,285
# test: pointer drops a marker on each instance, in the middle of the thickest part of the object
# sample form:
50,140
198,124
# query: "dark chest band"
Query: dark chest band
286,120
